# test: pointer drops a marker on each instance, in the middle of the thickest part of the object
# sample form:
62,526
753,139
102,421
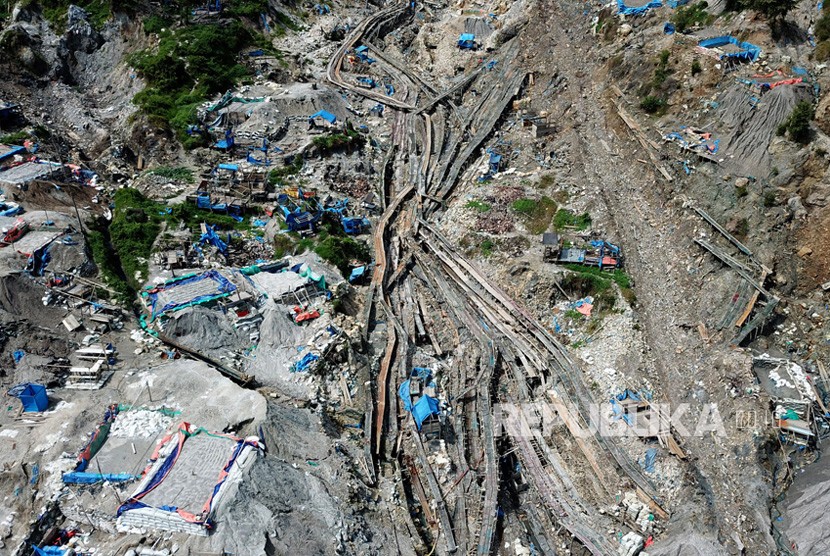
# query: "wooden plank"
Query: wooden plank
751,305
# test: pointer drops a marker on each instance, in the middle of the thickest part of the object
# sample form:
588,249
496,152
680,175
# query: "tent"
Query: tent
467,40
423,408
328,116
32,396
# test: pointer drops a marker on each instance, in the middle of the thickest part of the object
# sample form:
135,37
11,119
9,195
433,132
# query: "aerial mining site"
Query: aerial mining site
414,277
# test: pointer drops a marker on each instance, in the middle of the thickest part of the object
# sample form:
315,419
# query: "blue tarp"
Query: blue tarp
50,550
357,273
406,398
81,478
18,355
423,408
211,237
676,3
354,225
648,460
303,364
224,287
467,40
12,150
328,116
668,29
32,396
626,10
230,167
749,52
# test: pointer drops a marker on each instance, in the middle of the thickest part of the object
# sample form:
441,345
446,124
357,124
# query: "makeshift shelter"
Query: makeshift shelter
467,41
323,115
730,48
32,396
636,10
423,409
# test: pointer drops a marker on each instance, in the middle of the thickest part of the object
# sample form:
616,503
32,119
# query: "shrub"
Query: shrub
696,67
688,16
770,199
822,51
652,104
340,250
186,68
567,219
797,124
478,206
537,213
487,247
173,173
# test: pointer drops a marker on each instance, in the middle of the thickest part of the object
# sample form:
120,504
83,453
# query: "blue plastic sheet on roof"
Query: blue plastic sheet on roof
357,273
749,51
224,287
423,408
467,37
626,10
18,355
328,116
668,29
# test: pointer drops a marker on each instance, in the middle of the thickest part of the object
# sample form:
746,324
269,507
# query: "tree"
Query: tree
772,9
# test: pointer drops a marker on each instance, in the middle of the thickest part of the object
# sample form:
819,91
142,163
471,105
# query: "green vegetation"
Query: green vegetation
774,10
696,67
537,213
741,192
770,199
156,23
121,251
189,65
15,138
179,173
691,15
742,228
585,280
797,124
331,243
136,223
573,314
478,206
348,139
487,247
278,176
547,181
106,259
662,71
567,219
340,250
247,8
54,11
653,104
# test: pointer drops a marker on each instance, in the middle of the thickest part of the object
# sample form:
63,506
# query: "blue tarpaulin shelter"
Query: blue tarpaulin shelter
50,550
423,408
328,116
638,10
32,396
406,398
357,273
467,41
747,51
